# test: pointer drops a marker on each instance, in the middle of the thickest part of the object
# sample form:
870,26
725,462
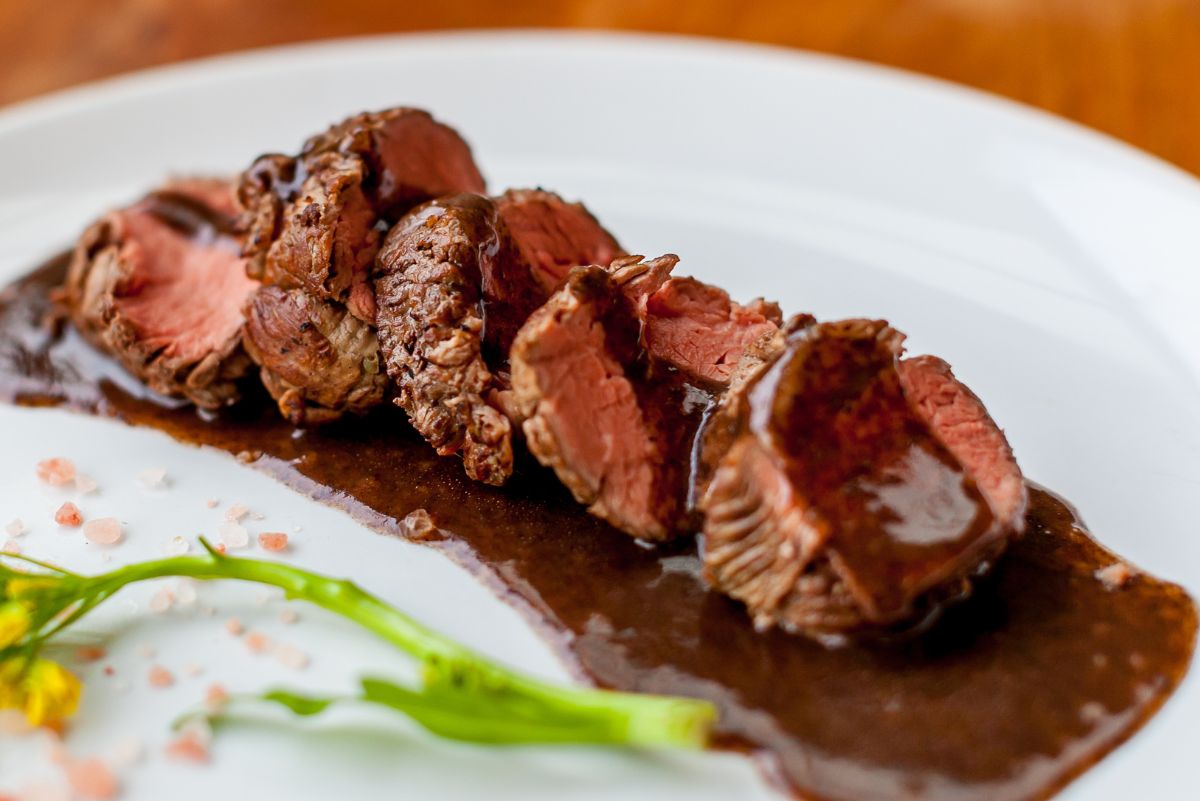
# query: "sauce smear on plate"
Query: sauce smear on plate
1011,695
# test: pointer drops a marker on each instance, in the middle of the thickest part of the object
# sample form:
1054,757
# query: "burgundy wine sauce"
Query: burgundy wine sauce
1010,696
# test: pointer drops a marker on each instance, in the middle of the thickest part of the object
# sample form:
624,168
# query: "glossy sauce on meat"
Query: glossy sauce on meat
1012,694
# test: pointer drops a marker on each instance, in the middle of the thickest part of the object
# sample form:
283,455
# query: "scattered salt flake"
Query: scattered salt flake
185,592
153,478
103,531
44,791
1092,712
258,642
176,546
11,547
288,616
257,516
90,653
292,657
13,723
191,744
161,600
56,472
296,529
1115,576
85,485
68,515
274,541
120,686
92,779
212,503
233,535
215,698
127,752
160,677
418,525
192,670
236,512
234,627
15,527
106,557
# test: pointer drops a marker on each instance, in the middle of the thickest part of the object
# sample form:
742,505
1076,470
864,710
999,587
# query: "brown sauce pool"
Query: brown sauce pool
1008,698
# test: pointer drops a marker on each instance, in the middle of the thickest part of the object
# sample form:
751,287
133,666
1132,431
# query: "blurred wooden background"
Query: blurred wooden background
1128,67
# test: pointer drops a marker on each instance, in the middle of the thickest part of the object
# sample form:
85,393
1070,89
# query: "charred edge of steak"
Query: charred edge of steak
614,428
315,221
317,360
553,235
160,284
774,541
430,281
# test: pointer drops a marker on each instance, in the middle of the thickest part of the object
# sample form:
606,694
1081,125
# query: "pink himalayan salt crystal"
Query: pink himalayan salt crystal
258,642
176,546
11,547
153,478
418,525
234,627
68,515
274,541
233,535
162,600
56,472
160,677
89,653
216,697
15,527
192,670
189,746
127,752
44,791
212,503
92,779
291,657
103,531
236,512
288,616
1115,576
85,485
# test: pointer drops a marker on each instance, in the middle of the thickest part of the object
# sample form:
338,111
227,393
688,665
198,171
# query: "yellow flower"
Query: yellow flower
14,623
46,691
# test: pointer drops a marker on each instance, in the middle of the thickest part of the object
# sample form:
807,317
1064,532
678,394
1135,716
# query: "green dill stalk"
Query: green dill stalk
464,695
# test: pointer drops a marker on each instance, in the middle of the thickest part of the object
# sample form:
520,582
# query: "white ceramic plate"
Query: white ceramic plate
1054,268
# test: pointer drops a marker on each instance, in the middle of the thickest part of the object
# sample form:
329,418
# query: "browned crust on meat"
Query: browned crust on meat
431,332
317,360
763,546
98,276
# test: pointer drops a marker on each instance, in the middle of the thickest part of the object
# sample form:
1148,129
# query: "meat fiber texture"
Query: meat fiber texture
160,285
612,380
455,280
315,224
858,491
313,221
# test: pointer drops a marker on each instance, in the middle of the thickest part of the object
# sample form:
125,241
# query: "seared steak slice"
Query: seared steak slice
553,235
444,270
616,426
160,285
315,221
696,328
454,284
317,360
859,491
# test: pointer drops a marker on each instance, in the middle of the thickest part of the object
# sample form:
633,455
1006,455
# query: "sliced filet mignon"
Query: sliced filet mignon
160,285
613,423
859,491
316,359
315,221
454,284
554,235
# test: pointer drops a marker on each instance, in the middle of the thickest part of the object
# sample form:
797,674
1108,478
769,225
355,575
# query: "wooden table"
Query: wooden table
1127,67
